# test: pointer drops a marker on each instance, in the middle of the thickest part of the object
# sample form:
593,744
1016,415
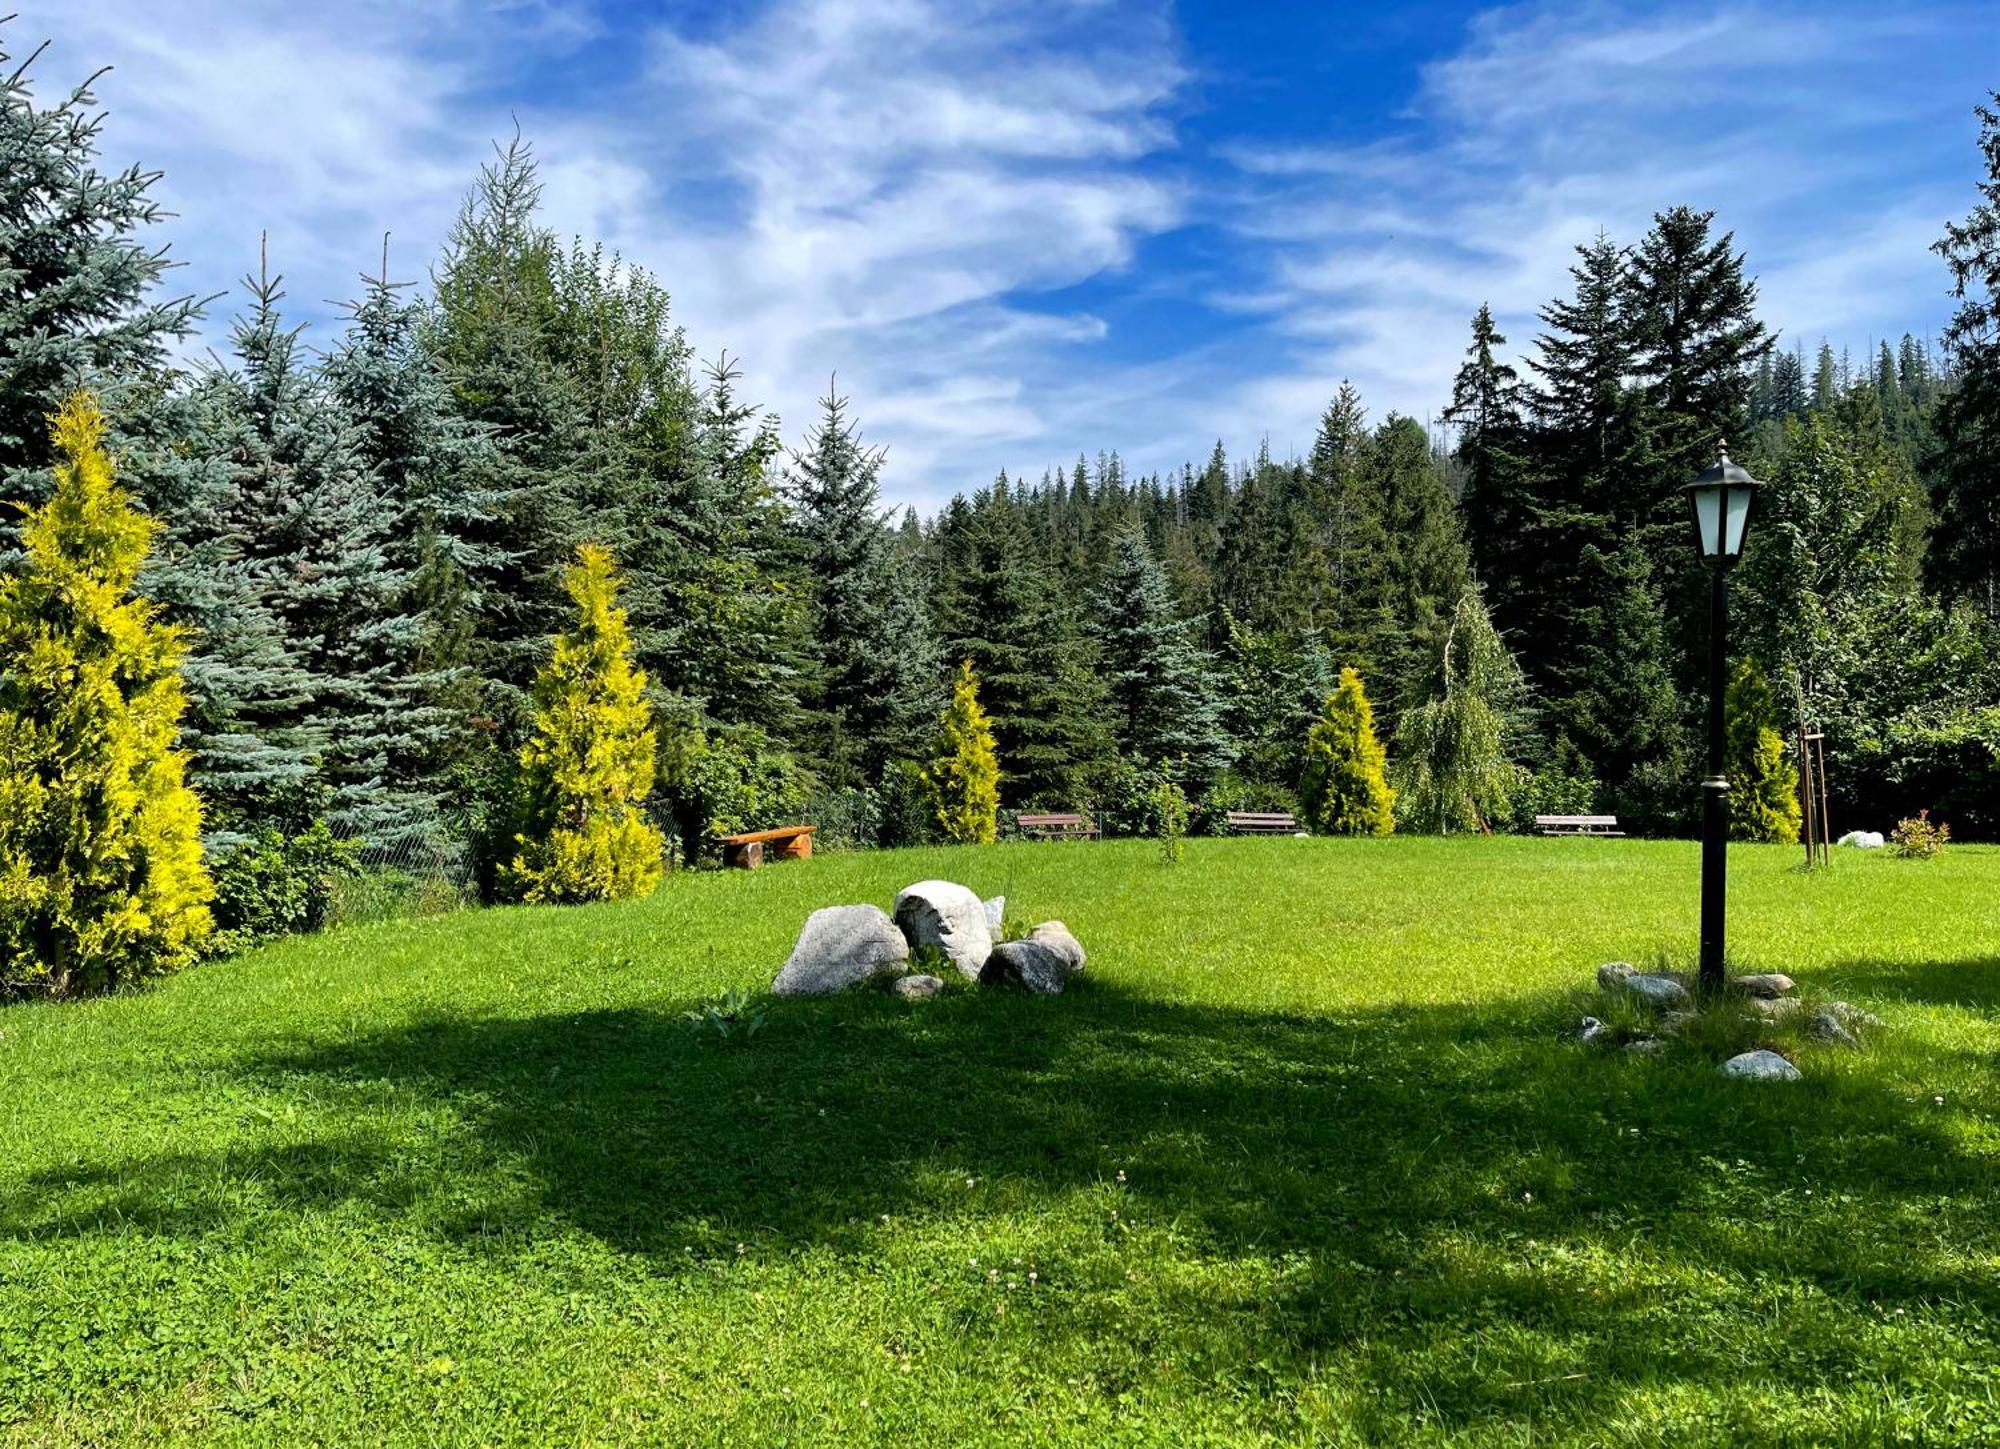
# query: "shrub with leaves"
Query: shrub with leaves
1170,811
964,774
279,885
1344,786
101,874
1763,797
1918,839
588,768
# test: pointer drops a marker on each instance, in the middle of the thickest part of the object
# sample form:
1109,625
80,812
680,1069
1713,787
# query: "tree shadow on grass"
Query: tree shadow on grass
1411,1158
1973,981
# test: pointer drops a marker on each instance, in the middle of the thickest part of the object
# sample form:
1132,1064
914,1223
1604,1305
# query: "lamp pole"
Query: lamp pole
1715,789
1719,502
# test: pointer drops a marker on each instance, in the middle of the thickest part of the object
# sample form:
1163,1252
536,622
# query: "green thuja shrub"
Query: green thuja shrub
964,774
1344,786
101,874
1763,794
588,768
279,884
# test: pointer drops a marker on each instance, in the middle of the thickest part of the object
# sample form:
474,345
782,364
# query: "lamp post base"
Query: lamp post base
1714,867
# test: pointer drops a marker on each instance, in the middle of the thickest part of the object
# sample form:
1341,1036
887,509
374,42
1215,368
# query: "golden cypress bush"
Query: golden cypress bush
101,874
588,767
964,777
1763,797
1344,787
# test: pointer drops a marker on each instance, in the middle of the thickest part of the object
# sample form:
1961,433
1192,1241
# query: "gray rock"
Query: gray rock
1853,1017
949,917
916,988
1056,936
1766,983
1672,1021
996,916
1591,1030
1645,1045
1038,966
1761,1066
1649,986
1827,1027
842,946
1766,1008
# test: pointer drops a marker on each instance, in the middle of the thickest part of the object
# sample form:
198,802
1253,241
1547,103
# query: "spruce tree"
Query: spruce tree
1763,797
1343,785
1004,607
315,528
1486,409
101,874
1455,748
79,307
1965,552
963,779
1165,705
875,663
431,468
587,768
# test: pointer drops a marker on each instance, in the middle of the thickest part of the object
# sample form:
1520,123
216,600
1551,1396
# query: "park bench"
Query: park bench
746,851
1059,826
1261,822
1578,825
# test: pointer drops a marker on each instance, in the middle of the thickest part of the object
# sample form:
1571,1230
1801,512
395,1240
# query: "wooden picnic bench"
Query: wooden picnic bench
1578,825
1261,822
1058,826
746,851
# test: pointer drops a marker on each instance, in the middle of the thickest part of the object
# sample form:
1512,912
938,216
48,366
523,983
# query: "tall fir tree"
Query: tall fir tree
875,664
1165,704
101,875
1965,550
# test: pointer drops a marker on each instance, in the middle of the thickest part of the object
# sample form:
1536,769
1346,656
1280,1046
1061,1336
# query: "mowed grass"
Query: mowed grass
1304,1157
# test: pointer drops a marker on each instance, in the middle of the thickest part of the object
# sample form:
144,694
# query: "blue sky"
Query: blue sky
1021,230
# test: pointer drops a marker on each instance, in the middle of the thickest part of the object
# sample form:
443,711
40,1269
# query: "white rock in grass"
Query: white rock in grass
996,916
1863,839
949,917
1762,983
1761,1066
916,988
842,946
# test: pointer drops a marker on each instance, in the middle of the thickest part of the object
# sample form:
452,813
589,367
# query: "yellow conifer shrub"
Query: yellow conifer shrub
588,768
1344,787
964,776
101,873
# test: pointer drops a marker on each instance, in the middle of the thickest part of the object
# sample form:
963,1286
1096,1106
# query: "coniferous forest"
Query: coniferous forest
368,544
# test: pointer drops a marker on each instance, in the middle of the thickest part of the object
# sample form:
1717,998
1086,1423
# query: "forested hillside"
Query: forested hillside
365,538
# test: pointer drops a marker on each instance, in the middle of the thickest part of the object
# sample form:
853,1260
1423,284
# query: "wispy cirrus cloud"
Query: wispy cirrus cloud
1018,231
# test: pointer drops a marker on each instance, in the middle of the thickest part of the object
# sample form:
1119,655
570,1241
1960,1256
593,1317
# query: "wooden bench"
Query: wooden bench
1578,825
1261,822
1056,827
746,851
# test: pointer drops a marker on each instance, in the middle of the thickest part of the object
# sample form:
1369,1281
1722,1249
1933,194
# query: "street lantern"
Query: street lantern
1719,505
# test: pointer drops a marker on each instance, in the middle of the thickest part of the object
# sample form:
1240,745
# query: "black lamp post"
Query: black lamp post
1719,504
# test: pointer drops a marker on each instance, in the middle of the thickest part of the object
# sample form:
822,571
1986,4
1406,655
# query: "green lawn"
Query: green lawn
1302,1158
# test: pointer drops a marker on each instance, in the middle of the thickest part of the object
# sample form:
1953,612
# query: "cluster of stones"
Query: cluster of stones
1766,995
846,946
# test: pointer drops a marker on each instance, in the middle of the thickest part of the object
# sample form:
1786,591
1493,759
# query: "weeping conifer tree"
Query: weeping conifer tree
1453,745
101,873
588,767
